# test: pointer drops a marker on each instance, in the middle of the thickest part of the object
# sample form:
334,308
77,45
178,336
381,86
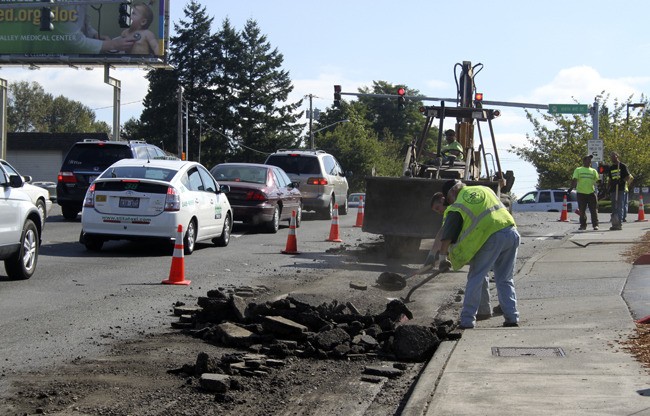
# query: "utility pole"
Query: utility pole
311,120
179,139
187,130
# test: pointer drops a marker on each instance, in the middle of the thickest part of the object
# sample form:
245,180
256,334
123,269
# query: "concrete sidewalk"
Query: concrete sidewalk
566,357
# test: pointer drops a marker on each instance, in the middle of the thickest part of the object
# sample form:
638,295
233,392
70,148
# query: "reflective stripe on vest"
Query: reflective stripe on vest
480,221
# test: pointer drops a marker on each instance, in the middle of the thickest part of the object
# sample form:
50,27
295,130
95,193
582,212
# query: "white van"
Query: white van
546,200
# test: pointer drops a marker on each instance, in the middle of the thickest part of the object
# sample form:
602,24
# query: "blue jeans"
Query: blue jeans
499,253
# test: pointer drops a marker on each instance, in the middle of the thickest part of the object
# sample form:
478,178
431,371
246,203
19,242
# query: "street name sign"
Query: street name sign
568,108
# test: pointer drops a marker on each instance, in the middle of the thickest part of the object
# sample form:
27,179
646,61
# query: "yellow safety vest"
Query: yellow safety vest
483,214
454,146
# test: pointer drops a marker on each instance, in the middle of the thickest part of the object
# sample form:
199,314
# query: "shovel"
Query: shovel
393,281
407,299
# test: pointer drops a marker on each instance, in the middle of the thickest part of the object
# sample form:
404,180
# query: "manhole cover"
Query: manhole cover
528,352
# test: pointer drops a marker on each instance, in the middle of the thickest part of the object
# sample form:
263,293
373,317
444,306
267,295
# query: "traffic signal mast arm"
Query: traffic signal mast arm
454,100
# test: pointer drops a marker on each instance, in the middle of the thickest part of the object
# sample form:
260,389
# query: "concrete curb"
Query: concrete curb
428,380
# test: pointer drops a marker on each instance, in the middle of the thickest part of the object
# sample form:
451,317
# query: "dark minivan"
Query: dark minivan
86,160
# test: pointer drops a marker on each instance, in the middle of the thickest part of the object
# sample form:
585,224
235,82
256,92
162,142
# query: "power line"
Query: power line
110,106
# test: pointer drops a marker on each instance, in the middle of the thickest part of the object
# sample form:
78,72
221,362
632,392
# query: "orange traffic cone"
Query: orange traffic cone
334,229
359,222
292,242
641,217
564,217
177,271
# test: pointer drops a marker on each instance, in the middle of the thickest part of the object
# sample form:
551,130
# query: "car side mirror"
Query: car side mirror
294,185
224,189
16,181
27,178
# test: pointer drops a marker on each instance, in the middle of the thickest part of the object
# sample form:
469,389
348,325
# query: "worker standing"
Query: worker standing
584,181
618,178
478,230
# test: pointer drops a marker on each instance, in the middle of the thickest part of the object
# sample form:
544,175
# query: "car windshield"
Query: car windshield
100,155
239,173
139,172
296,163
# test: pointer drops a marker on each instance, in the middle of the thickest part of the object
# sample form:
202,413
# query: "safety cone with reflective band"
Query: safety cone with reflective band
564,217
292,242
177,271
641,217
334,229
360,213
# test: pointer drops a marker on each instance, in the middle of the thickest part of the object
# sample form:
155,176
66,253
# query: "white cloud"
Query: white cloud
88,87
583,84
437,85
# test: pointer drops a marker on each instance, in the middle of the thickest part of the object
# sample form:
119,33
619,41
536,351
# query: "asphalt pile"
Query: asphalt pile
291,327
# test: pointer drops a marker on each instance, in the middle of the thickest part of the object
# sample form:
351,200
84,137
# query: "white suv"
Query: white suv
546,200
320,178
20,222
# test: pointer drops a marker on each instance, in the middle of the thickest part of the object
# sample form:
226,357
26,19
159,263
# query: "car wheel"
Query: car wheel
69,213
274,225
327,212
344,210
22,264
224,239
91,242
298,216
40,206
189,241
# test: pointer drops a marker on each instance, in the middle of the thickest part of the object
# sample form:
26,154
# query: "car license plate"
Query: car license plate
128,202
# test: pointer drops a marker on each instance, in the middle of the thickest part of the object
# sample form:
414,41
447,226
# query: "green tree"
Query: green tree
26,106
158,122
236,89
260,91
360,151
31,109
383,114
559,142
192,55
220,118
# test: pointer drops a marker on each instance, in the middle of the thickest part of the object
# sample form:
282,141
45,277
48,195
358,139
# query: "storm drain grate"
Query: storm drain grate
528,352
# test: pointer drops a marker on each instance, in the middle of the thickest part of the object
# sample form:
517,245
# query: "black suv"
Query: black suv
86,160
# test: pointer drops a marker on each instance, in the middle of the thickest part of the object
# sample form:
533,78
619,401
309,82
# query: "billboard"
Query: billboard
88,32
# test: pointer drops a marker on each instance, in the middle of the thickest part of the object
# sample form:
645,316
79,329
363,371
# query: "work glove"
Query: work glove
445,264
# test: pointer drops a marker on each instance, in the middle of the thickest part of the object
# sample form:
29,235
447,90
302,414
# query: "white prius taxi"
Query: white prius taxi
135,199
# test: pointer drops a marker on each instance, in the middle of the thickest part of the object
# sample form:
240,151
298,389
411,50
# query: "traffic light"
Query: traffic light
401,101
125,14
46,17
478,100
337,96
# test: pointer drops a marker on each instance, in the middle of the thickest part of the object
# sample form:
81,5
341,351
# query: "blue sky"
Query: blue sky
535,52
